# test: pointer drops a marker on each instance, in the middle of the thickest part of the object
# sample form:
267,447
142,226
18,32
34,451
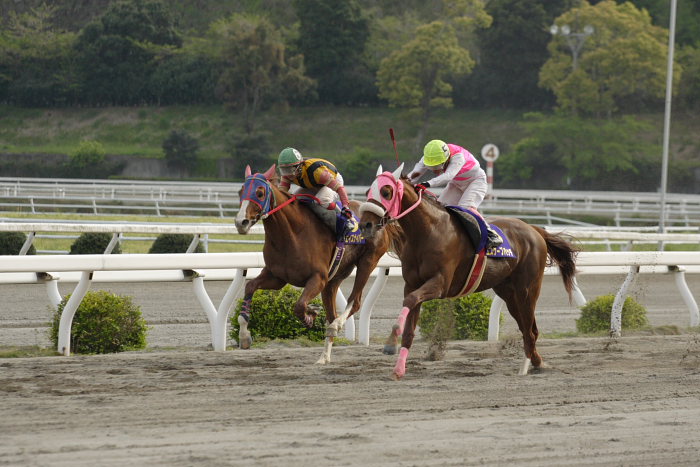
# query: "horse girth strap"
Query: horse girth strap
475,273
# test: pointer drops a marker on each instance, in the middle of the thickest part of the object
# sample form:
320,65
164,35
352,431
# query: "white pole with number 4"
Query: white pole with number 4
490,153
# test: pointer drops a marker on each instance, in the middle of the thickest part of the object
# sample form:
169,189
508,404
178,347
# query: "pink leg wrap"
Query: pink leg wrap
400,368
401,320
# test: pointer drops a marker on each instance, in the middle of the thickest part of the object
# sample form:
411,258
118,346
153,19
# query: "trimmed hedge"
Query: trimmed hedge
103,323
174,243
273,317
471,315
93,243
595,315
12,242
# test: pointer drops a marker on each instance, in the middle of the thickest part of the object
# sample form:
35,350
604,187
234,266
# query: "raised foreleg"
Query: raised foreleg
307,314
266,281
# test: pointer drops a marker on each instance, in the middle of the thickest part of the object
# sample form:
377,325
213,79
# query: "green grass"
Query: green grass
132,247
320,131
26,351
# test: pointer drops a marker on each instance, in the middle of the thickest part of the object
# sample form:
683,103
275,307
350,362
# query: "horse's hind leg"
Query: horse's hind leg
522,307
266,281
332,327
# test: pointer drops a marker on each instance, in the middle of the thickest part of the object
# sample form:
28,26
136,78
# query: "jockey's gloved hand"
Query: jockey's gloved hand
423,186
346,212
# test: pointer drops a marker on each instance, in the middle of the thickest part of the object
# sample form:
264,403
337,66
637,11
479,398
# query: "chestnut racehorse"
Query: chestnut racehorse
437,257
299,249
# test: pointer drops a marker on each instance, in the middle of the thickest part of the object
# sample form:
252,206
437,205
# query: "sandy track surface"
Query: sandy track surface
635,401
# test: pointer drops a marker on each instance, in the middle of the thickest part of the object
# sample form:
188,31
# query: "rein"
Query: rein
289,201
413,206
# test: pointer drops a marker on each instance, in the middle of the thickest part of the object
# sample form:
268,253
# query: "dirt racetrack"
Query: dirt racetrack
635,401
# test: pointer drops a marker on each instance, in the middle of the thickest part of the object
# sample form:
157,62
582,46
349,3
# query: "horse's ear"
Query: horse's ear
379,170
270,172
397,172
247,171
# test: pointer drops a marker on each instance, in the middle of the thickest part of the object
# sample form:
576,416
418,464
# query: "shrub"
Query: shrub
181,150
12,242
93,243
103,323
174,243
273,316
595,315
471,315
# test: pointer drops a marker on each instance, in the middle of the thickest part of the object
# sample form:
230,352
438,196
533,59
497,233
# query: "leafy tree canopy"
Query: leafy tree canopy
621,66
256,71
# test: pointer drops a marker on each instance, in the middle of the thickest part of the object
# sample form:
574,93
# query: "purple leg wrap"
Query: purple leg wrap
245,307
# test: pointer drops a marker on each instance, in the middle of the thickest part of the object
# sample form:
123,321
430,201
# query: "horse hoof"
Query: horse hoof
313,310
525,367
389,350
395,376
245,342
322,361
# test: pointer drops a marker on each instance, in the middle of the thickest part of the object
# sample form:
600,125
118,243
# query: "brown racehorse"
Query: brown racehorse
437,256
299,249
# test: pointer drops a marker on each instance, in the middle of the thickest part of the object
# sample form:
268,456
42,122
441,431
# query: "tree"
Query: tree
256,71
621,66
181,151
570,152
689,86
332,37
511,53
416,75
118,52
36,60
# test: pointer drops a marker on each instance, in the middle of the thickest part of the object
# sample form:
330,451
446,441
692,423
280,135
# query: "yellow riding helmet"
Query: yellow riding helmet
435,153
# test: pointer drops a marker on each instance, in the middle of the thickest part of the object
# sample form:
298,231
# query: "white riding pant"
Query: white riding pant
467,194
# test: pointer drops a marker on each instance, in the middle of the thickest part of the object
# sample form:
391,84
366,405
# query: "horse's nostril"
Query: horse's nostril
245,222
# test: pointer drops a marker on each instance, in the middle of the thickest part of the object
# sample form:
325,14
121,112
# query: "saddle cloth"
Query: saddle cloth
477,230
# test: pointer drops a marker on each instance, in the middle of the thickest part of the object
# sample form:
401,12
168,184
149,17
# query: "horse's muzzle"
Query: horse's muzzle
243,226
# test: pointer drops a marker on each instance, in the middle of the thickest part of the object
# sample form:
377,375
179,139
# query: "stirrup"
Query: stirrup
493,238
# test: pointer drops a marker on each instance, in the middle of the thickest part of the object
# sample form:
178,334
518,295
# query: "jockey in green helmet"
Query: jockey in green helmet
316,177
457,168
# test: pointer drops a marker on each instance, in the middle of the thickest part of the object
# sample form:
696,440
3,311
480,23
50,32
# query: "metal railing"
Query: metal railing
188,199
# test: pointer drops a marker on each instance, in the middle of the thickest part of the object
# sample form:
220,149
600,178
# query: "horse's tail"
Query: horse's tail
562,251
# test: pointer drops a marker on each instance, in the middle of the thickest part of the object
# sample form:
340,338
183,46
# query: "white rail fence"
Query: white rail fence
236,266
221,199
205,233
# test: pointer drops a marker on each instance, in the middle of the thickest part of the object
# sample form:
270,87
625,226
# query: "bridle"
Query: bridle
388,210
267,205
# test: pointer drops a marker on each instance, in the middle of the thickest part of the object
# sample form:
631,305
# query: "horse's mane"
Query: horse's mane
430,198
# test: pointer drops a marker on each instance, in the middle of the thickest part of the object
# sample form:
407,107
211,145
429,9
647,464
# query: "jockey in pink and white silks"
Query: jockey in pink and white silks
457,168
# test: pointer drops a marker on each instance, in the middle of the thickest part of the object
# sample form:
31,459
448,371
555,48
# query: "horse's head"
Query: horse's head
383,201
256,198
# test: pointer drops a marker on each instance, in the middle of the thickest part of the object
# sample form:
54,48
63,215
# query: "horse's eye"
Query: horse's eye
386,192
260,192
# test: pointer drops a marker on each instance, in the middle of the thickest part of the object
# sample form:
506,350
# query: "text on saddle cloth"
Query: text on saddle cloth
477,230
336,222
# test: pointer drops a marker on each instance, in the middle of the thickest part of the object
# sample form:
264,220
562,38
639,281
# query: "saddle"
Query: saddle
476,229
336,222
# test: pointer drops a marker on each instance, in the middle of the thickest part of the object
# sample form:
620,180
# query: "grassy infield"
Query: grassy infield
337,131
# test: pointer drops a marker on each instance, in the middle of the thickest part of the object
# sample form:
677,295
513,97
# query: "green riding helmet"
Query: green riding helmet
289,158
435,153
